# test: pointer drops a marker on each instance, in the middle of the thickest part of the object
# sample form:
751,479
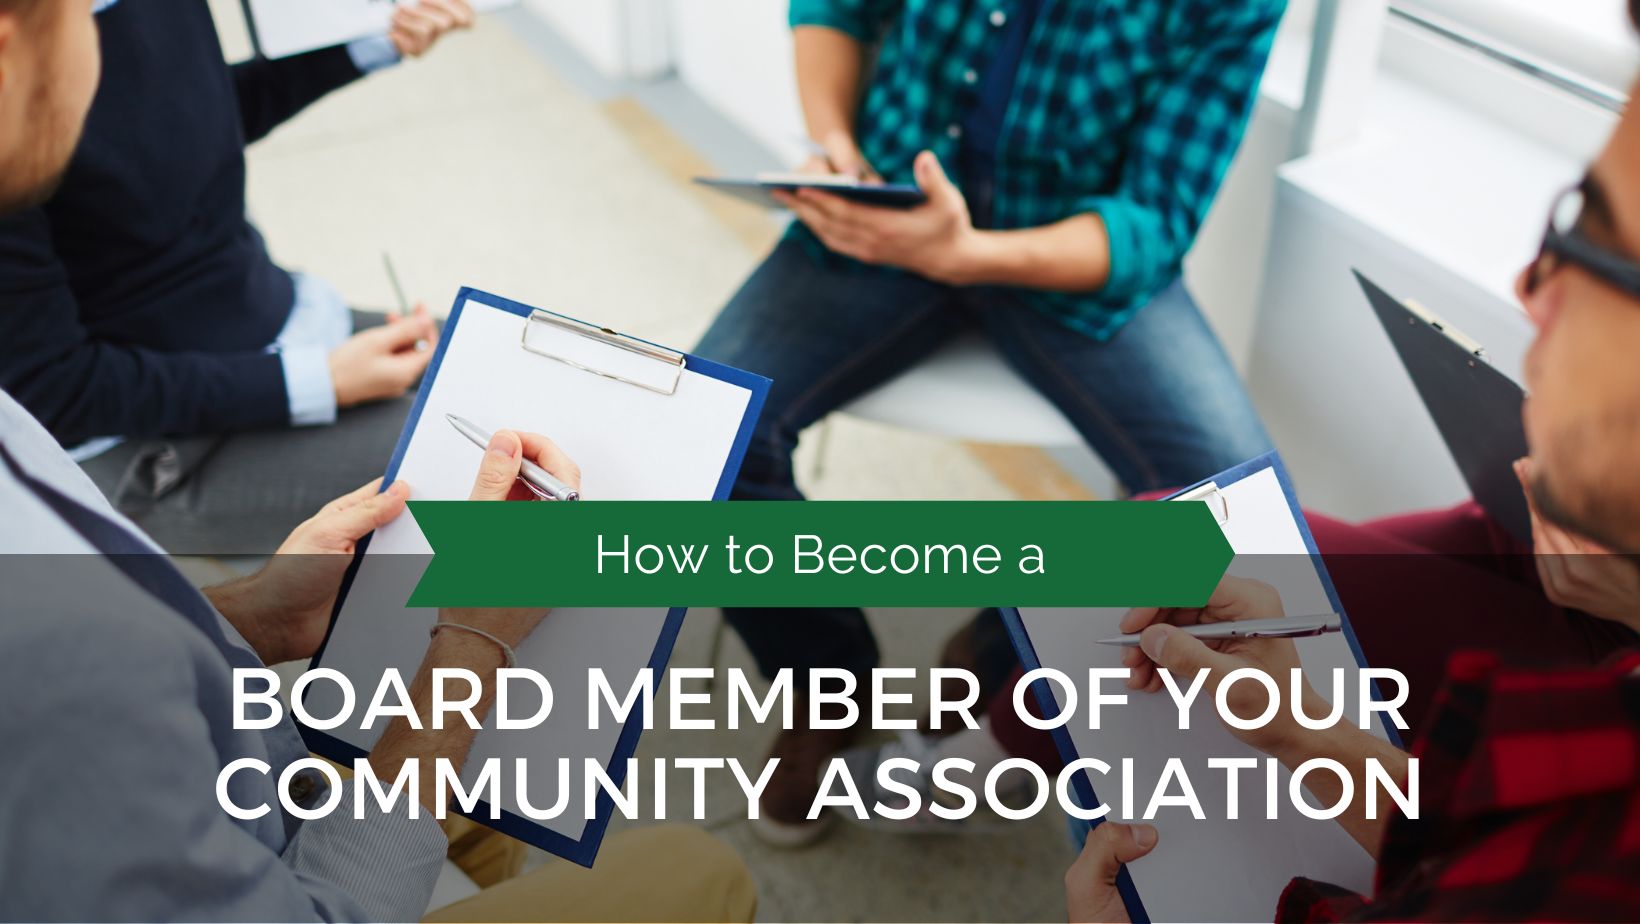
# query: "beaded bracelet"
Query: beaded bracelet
506,649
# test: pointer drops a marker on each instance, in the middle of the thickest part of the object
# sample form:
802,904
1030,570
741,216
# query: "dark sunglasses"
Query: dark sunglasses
1565,243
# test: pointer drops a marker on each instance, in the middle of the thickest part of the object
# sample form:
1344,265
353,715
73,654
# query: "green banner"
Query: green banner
820,553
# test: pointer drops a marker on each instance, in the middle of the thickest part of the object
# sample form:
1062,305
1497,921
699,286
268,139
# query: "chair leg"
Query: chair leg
822,442
715,650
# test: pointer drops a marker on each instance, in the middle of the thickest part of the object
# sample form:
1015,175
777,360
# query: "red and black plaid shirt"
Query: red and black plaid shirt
1530,806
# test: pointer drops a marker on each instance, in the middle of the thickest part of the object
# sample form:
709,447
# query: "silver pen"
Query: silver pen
398,292
393,279
542,482
1285,627
816,149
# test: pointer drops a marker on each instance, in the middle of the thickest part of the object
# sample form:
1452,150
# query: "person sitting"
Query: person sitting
1455,579
148,327
1067,166
117,674
1529,774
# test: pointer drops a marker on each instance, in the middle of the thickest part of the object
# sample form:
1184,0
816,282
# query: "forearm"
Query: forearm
271,91
81,387
93,389
1071,255
1352,748
400,742
244,606
829,68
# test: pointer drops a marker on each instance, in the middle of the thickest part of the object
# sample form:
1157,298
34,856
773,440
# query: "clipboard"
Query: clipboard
756,190
283,28
609,400
1255,505
1475,407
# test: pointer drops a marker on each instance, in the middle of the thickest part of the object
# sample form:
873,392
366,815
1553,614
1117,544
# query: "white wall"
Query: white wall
1438,205
1225,269
737,54
623,39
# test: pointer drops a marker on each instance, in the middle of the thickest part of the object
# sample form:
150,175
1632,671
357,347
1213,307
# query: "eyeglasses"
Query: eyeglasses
1565,243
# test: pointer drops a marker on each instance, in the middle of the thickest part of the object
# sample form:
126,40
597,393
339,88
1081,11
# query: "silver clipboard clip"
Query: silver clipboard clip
540,317
1215,499
1420,313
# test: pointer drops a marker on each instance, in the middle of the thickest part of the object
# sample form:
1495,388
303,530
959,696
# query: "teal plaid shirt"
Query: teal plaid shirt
1130,109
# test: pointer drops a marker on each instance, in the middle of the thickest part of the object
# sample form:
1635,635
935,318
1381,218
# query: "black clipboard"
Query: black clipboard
1475,407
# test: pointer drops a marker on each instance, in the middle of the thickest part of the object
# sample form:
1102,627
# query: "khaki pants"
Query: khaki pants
660,873
487,857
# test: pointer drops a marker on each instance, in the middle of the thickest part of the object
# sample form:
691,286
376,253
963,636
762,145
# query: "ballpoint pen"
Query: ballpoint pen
817,149
538,479
398,292
1285,627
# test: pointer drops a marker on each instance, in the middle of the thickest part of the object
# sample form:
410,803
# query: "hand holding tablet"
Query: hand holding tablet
759,189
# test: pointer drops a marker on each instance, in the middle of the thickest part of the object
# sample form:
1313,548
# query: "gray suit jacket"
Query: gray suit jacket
115,720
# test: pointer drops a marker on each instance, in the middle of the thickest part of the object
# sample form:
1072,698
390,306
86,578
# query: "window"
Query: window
1585,47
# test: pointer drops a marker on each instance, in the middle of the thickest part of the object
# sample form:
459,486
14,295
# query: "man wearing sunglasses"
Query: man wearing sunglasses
1530,777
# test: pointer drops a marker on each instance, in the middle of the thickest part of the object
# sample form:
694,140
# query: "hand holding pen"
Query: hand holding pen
1280,627
837,155
420,312
1167,636
1266,714
537,459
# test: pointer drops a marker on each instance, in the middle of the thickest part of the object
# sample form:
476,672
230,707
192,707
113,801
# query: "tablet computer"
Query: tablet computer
757,189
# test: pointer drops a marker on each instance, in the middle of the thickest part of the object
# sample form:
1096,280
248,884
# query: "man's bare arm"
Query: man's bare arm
450,648
1069,255
1352,748
830,67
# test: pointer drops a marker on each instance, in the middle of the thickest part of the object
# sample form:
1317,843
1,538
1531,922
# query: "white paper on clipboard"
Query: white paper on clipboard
1215,869
631,442
291,27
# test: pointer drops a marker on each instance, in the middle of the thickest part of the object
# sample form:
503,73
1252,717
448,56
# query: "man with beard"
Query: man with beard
1530,776
116,673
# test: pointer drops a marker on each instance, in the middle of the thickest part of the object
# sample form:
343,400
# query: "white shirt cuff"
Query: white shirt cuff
372,54
308,385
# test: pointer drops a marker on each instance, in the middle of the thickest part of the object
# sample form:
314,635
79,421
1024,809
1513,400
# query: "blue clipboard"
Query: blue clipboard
1044,690
583,850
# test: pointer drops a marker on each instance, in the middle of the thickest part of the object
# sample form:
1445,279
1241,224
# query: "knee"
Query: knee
1248,441
1228,432
718,875
766,469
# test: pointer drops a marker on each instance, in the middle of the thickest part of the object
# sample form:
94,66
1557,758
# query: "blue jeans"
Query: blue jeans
1159,402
